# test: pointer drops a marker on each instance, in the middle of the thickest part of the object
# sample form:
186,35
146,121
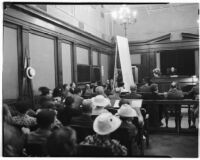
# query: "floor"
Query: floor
173,145
184,120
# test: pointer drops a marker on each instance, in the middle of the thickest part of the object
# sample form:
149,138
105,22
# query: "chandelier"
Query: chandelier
125,17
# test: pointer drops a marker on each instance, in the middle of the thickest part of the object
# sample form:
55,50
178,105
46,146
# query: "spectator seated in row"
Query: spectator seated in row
127,114
45,94
84,119
66,92
88,90
23,119
13,138
194,94
146,87
137,109
62,143
152,110
99,103
72,87
65,114
115,96
77,98
45,118
57,94
133,94
100,91
174,93
103,125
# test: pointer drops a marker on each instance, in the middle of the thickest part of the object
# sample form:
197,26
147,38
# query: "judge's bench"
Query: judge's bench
184,82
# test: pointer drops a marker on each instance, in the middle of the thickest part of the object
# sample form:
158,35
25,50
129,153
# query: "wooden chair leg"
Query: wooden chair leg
189,116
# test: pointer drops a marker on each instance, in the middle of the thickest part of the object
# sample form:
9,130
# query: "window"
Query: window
10,84
66,63
42,60
83,66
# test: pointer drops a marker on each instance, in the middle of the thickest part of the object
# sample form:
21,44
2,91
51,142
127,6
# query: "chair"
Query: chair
82,132
146,125
94,151
121,134
36,149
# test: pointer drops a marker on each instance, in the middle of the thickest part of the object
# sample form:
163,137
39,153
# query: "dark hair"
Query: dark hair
154,87
45,118
64,86
120,84
68,101
147,80
22,106
72,84
77,90
62,142
86,108
44,91
57,92
123,101
44,99
49,105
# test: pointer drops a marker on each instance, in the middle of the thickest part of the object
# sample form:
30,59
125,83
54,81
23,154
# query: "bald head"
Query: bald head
133,88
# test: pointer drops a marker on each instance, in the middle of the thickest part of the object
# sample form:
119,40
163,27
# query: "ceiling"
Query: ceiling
149,8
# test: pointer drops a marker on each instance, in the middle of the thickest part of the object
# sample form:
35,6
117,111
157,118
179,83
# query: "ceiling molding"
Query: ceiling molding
163,38
189,36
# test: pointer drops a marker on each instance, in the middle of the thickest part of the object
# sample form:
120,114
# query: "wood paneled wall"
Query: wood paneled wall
30,21
149,49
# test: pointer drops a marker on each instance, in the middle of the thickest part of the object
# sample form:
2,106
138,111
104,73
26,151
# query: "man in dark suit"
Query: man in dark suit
133,94
175,93
85,118
156,111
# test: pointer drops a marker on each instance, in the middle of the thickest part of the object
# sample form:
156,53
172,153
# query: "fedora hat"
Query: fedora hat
126,111
99,100
106,123
30,72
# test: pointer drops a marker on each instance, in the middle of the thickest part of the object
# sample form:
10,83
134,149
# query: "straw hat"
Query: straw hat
126,111
100,101
30,72
106,123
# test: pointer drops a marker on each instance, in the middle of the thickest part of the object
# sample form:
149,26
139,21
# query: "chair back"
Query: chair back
36,149
121,134
82,132
94,151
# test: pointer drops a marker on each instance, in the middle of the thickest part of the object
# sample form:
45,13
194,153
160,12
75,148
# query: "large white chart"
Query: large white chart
125,60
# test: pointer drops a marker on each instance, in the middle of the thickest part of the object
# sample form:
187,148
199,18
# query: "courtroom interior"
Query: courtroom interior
100,79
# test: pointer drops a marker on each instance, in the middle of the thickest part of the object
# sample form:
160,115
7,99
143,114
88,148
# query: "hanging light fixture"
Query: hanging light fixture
125,16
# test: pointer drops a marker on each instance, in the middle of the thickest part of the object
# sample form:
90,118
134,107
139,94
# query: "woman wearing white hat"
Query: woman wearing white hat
126,114
103,125
99,103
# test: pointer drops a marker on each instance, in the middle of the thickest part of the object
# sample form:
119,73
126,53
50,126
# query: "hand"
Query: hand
25,130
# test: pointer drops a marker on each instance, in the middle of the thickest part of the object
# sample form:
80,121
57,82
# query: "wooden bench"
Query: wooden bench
166,103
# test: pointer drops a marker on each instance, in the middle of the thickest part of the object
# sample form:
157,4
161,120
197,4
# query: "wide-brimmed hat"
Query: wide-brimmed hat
100,101
106,123
30,72
126,111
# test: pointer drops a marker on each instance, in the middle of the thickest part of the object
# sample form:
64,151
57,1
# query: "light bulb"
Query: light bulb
134,13
114,14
